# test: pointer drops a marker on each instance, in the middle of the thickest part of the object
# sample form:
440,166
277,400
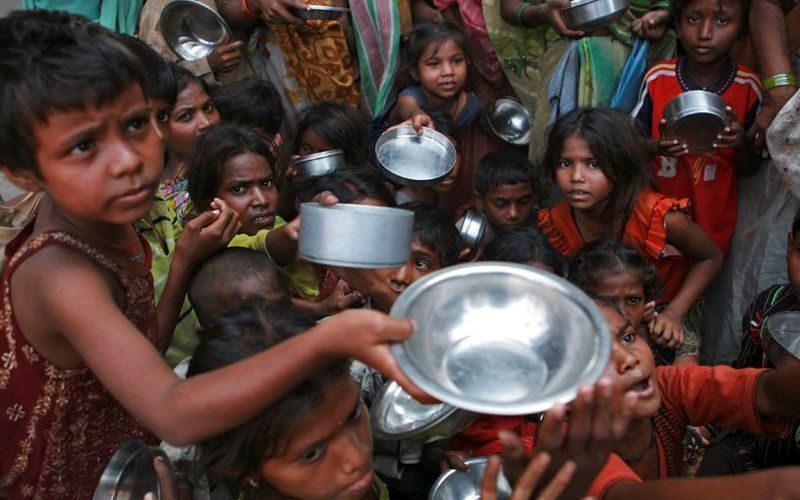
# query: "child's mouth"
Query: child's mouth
643,388
263,219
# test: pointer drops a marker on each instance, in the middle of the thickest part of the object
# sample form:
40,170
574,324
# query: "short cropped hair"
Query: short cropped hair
434,229
158,77
252,101
502,167
54,61
524,245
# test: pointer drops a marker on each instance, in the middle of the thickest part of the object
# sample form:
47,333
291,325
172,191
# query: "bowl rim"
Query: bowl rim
469,462
317,156
381,433
526,138
590,374
408,130
173,5
579,3
779,340
118,465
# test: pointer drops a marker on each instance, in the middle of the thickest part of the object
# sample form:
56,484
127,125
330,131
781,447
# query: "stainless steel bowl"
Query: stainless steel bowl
192,30
318,164
415,160
781,338
320,12
695,117
359,236
459,485
396,415
510,121
501,338
130,473
471,227
590,15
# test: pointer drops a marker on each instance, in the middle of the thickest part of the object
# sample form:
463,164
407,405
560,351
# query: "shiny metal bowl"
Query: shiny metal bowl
590,15
501,338
459,485
780,338
510,121
320,12
471,227
359,236
695,117
130,473
415,160
318,164
396,415
191,29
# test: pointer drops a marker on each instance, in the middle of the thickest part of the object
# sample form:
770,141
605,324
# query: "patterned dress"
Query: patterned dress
59,427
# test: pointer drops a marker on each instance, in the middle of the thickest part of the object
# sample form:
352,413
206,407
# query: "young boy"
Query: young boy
707,30
253,102
504,189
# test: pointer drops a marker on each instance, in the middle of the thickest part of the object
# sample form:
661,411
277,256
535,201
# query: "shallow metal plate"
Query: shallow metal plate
589,15
130,473
191,29
781,338
459,485
415,160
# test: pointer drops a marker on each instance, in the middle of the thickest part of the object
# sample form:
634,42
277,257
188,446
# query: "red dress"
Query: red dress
59,428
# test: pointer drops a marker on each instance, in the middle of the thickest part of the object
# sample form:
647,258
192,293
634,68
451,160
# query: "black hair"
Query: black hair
679,5
524,245
209,151
423,35
352,184
608,256
340,125
184,77
230,456
158,76
502,167
232,275
54,61
616,144
434,229
252,101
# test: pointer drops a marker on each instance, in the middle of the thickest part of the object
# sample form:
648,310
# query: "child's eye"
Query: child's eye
722,20
266,183
634,300
137,124
208,107
422,265
185,116
237,189
693,18
564,164
524,201
162,117
82,148
314,454
499,204
628,338
594,164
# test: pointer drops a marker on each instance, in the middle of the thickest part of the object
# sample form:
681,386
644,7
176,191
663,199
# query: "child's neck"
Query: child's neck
593,223
114,235
449,107
706,75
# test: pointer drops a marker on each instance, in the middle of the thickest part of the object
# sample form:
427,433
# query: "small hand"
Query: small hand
670,147
732,135
649,311
652,25
343,297
666,329
553,17
225,57
278,11
207,233
774,100
528,483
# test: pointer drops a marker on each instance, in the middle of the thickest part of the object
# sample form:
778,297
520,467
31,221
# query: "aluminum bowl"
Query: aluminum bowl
695,117
501,338
471,228
590,15
359,236
396,415
510,121
320,12
459,485
318,164
192,30
130,473
415,160
781,338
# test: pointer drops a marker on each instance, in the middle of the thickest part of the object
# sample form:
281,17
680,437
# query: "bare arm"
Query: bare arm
542,14
778,393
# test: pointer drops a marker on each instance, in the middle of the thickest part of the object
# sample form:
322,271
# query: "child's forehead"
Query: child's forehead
715,5
441,48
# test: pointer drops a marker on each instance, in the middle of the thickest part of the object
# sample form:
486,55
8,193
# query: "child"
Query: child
708,30
253,102
527,245
332,125
82,345
597,161
504,189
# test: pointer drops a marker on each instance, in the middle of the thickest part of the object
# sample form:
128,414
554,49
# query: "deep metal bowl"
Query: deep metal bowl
459,485
590,15
318,164
471,227
415,160
320,12
501,338
510,121
191,29
396,415
781,338
695,117
130,473
359,236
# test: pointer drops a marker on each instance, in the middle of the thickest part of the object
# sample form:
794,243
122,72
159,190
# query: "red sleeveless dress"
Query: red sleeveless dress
59,428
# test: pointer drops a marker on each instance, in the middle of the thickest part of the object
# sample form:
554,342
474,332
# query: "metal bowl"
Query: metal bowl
320,12
359,236
781,338
191,29
590,15
396,415
501,338
415,160
459,485
510,121
318,164
471,228
130,473
695,117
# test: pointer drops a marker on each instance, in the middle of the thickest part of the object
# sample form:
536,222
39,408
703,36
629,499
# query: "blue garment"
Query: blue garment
472,110
630,81
562,93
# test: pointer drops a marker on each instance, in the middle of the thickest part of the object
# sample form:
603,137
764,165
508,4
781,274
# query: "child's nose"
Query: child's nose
259,198
125,160
623,359
707,30
354,452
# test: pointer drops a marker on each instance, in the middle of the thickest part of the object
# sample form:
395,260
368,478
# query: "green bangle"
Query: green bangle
521,12
780,80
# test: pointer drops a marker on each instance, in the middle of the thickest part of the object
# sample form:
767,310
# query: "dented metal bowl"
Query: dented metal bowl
781,338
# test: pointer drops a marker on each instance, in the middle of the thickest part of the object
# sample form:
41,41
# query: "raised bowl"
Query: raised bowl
320,12
501,338
510,121
191,29
460,485
590,15
415,160
318,164
695,117
781,338
130,473
471,227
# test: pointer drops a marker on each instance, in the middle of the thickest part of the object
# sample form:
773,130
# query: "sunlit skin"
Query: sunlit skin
508,205
194,112
247,186
421,261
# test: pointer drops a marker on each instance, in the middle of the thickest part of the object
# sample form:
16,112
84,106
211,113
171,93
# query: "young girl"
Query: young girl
597,160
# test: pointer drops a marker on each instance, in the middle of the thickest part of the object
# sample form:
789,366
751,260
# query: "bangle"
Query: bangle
520,12
248,12
779,81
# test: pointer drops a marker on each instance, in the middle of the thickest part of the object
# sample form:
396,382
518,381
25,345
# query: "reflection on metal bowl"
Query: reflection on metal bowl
590,15
191,29
458,485
415,160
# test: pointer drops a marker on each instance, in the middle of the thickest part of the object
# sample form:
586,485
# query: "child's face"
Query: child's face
580,177
448,183
330,456
421,261
312,143
793,261
508,206
633,368
442,70
625,291
101,164
248,188
162,110
708,29
194,112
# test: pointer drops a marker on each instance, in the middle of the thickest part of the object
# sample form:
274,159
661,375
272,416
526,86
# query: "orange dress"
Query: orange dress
645,232
59,427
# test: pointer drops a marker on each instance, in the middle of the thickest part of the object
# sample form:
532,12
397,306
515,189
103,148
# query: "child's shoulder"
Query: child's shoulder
663,69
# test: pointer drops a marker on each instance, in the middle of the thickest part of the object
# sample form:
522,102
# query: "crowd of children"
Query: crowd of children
170,220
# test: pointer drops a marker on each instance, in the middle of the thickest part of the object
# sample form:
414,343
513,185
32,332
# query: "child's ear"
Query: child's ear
23,179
